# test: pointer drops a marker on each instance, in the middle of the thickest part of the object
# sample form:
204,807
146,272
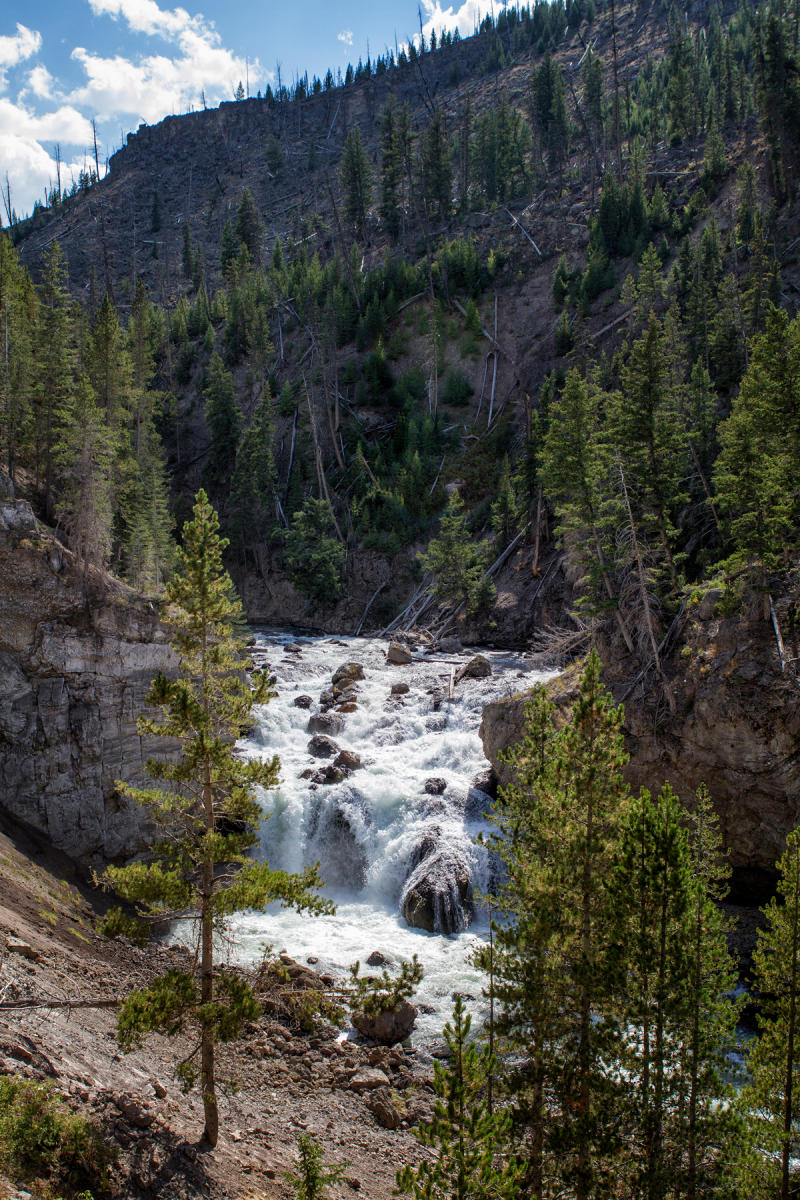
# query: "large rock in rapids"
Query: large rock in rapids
478,667
736,728
326,722
438,893
346,674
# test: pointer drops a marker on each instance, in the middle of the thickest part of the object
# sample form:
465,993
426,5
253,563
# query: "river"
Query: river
378,832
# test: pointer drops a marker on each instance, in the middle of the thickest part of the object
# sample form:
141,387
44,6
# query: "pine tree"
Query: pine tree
650,888
224,422
457,562
208,816
560,820
530,1020
354,175
755,473
314,557
250,226
437,174
18,323
575,474
772,1098
85,458
470,1141
708,1129
57,365
391,174
254,477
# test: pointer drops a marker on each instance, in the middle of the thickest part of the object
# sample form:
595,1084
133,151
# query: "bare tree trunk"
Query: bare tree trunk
643,592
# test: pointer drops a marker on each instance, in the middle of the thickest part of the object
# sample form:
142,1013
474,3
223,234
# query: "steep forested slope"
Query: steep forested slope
533,267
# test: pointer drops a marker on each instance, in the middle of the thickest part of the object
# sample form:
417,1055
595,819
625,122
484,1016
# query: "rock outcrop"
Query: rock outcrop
736,727
75,667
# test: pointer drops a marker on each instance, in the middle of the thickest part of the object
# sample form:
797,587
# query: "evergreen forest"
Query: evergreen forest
528,297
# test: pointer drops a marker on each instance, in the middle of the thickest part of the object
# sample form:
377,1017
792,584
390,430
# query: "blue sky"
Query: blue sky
121,62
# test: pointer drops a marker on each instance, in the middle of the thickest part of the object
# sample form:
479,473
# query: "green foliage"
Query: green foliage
224,423
354,175
470,1142
772,1098
373,995
314,557
456,389
755,473
207,812
312,1180
40,1138
457,562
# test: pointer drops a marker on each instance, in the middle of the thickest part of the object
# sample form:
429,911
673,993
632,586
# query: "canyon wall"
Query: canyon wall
75,666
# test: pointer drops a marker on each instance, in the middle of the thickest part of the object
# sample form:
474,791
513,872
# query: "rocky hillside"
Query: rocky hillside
736,727
75,665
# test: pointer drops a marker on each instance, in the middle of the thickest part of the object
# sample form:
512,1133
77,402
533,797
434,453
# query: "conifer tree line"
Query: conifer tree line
79,420
612,1066
654,463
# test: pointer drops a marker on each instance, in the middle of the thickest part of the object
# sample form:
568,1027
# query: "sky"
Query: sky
66,63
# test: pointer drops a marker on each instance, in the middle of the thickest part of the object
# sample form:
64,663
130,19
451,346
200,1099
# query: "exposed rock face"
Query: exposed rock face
74,673
736,728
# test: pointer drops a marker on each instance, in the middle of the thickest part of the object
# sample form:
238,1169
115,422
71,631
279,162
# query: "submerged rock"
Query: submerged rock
338,835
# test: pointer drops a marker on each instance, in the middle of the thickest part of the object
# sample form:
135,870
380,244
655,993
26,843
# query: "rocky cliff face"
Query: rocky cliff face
74,671
736,727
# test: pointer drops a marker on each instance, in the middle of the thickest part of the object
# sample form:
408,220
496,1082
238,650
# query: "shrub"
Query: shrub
457,389
40,1138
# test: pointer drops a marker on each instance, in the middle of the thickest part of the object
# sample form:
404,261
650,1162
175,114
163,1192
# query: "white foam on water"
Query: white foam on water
366,832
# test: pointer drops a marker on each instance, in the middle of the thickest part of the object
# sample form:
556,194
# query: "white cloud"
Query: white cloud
464,19
191,64
346,36
13,50
40,83
151,86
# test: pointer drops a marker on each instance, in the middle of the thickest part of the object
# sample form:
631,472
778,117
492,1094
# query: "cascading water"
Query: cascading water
396,834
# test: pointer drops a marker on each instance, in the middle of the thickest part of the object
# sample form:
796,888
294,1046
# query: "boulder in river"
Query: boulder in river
346,674
326,722
478,667
398,655
438,893
322,746
400,689
435,785
303,701
347,760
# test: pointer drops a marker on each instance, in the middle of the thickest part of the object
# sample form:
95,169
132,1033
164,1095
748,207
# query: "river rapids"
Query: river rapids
395,835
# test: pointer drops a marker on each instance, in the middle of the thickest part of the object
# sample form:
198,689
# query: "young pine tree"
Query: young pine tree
457,562
772,1098
471,1142
208,816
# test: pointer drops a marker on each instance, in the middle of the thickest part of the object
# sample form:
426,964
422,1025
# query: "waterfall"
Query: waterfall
388,799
